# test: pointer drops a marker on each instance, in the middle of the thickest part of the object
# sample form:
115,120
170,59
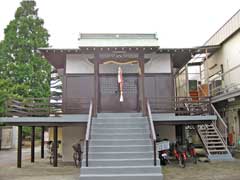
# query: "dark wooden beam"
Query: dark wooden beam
33,144
55,146
42,142
19,149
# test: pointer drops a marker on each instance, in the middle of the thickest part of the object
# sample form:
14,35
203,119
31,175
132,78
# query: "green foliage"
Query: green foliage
23,72
27,132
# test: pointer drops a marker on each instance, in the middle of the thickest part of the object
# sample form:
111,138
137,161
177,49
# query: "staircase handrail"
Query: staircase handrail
153,133
89,124
224,137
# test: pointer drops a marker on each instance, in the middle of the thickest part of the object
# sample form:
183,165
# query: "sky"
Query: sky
178,23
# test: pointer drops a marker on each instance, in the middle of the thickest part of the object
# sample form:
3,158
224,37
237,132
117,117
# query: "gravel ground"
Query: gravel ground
203,171
41,170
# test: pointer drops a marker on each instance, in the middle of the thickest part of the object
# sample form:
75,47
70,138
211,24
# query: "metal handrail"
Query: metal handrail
224,137
218,115
227,88
153,134
226,72
89,124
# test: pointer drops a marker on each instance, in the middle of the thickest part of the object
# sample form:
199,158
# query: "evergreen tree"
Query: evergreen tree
23,72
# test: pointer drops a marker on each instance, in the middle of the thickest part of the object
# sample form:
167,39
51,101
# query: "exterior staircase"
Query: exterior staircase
213,142
120,149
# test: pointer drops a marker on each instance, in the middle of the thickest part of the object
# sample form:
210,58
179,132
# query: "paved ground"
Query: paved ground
41,169
9,157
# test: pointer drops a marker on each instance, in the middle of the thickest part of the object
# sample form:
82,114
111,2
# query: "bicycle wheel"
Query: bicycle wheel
181,162
51,160
76,159
194,159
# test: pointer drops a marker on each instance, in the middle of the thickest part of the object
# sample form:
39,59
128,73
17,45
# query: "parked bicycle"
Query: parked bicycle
50,146
77,154
191,151
180,152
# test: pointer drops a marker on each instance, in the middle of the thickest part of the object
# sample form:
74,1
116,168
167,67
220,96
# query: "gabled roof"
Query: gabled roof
226,31
180,56
117,40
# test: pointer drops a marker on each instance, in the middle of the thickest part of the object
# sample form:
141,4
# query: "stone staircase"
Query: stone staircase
120,149
213,143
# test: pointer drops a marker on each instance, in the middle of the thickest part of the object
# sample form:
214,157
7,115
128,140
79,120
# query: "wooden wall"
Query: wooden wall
78,91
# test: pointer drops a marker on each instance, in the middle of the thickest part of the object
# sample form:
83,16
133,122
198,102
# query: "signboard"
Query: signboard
163,145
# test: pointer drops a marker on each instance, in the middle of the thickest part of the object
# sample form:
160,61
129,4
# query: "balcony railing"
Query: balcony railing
43,107
181,105
226,82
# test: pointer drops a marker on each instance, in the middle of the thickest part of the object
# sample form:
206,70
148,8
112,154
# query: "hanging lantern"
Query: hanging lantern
120,81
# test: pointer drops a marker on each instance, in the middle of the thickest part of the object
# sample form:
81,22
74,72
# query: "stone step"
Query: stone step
119,120
119,155
120,136
121,170
119,130
122,148
119,162
156,176
120,125
114,115
113,142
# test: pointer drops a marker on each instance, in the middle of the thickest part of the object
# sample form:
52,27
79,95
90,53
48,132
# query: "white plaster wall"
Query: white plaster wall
229,56
14,136
79,64
166,132
159,63
71,135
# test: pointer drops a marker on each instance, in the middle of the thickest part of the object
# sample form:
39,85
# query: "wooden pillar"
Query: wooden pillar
96,79
141,64
19,148
55,146
33,144
42,142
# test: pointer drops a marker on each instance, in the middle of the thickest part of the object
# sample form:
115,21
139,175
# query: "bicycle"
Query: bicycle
77,154
50,146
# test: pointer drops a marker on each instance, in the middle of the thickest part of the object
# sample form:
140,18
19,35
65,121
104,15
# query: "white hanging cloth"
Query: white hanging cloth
120,81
